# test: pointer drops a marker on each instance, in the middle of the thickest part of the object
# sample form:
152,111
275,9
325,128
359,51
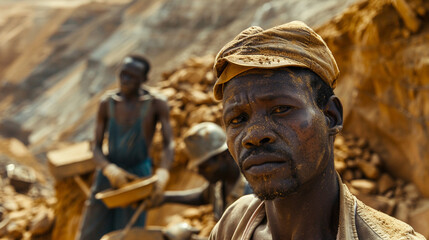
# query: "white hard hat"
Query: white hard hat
203,141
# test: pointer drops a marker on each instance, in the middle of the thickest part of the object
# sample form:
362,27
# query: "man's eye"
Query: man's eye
238,119
281,109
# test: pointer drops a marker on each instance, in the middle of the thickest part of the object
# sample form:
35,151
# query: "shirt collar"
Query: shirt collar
347,215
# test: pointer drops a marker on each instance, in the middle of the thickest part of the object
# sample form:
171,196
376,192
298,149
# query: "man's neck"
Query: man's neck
311,213
131,97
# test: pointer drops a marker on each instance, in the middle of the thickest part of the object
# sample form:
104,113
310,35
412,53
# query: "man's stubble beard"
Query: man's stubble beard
284,190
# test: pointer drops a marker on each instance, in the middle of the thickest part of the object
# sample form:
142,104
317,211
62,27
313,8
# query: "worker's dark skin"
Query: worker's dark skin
283,143
128,102
220,167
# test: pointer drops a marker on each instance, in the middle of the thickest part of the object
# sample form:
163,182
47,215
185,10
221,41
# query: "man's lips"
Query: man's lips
262,163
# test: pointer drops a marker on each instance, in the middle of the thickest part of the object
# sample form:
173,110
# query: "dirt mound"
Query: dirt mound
381,48
26,200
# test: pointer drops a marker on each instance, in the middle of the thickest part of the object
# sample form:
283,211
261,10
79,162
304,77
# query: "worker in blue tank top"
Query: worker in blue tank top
129,117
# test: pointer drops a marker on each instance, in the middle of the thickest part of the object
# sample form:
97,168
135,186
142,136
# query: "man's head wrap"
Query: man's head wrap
292,44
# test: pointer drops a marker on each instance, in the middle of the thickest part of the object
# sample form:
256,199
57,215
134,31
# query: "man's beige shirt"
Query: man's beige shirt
356,221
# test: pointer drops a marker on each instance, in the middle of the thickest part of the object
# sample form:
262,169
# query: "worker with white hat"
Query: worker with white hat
209,156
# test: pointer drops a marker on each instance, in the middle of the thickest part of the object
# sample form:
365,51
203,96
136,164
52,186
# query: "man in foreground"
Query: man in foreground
281,117
129,116
209,156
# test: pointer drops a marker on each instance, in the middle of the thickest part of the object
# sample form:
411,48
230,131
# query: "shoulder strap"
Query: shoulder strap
145,107
111,108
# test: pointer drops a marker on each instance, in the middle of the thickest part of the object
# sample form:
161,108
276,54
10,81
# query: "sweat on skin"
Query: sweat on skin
278,136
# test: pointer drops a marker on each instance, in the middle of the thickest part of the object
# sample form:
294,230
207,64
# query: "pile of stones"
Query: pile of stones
362,170
25,214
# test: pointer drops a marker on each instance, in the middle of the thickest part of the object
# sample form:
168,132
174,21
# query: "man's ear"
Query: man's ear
334,114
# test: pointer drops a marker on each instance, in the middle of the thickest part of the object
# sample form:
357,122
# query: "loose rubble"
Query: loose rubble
26,215
362,170
26,196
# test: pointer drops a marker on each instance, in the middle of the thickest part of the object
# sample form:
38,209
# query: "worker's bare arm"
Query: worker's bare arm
100,128
162,172
167,134
195,196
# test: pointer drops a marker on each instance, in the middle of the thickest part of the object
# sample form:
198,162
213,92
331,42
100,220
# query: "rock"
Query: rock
351,163
380,203
17,215
366,156
398,191
355,152
375,159
400,182
358,174
198,97
364,186
385,182
339,141
407,15
419,218
3,226
10,205
201,114
51,201
192,213
20,177
169,92
411,191
23,201
2,213
15,229
42,223
389,194
205,231
369,169
402,211
348,175
9,190
340,155
361,143
340,166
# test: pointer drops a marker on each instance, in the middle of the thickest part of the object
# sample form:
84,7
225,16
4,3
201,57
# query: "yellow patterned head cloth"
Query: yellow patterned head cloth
292,44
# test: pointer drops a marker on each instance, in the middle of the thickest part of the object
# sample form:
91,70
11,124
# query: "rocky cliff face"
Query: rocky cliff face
382,51
59,57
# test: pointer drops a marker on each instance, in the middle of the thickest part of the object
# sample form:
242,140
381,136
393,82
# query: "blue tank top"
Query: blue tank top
127,146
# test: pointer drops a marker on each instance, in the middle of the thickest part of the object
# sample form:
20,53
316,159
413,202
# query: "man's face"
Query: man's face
130,79
275,131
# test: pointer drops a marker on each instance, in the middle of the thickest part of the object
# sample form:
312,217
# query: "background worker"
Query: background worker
129,116
209,156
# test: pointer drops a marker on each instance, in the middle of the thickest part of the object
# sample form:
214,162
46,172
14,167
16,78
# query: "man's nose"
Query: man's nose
126,79
258,135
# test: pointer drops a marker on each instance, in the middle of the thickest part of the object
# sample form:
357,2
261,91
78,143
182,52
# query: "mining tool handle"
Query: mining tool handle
82,185
129,225
134,218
